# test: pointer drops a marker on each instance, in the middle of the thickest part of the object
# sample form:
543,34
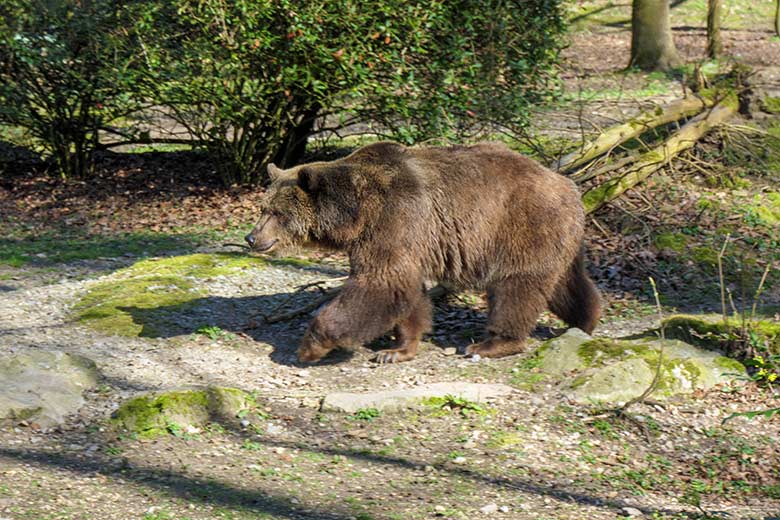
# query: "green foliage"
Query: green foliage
252,80
62,245
365,414
767,414
456,403
64,74
214,333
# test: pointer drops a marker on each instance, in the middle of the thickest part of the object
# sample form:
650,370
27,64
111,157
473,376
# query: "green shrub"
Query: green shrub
252,80
63,75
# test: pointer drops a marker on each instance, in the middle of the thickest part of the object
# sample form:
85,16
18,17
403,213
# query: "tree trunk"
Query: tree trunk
777,18
652,46
294,143
714,44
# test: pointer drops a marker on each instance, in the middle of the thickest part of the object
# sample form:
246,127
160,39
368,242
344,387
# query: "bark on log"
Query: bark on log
621,133
650,162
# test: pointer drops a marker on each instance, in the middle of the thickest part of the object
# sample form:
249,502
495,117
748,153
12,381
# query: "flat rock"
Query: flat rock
391,400
43,386
590,369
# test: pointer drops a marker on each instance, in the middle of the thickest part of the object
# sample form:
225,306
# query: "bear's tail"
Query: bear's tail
576,299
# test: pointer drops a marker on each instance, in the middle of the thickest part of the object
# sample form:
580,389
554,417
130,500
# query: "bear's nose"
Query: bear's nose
250,239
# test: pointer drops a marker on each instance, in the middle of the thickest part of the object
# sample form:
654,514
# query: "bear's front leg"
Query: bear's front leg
364,311
314,348
408,333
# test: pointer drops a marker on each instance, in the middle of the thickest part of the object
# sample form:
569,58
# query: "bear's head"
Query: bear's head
322,203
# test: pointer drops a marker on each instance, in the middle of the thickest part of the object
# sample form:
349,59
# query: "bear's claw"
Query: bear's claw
396,355
496,347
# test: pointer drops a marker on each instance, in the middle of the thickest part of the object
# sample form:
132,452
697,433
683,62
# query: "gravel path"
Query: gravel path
528,456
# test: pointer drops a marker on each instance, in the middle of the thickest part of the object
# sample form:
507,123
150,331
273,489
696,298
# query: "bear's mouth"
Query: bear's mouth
266,246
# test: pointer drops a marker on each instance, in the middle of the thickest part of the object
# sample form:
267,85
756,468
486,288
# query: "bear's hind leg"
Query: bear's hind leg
515,304
408,332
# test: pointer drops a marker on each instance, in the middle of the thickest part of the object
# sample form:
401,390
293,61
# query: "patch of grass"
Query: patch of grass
672,241
251,445
365,415
215,333
456,403
158,147
54,247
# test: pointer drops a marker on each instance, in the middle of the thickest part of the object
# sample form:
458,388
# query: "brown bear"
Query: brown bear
479,216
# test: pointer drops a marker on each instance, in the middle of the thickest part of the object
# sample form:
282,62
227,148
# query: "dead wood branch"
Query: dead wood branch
616,135
274,316
653,160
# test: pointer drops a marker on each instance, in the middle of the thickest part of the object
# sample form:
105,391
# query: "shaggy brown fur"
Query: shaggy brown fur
479,216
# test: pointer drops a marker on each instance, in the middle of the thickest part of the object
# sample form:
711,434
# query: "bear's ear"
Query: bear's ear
274,171
308,180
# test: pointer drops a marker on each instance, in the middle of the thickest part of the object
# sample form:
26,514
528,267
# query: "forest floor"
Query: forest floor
531,455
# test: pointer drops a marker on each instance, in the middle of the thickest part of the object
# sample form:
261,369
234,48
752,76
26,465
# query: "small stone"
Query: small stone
303,373
245,423
459,460
439,509
450,351
504,509
632,512
488,509
274,429
475,358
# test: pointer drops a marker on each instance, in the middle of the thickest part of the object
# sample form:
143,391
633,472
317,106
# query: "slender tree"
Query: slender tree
777,18
652,46
714,44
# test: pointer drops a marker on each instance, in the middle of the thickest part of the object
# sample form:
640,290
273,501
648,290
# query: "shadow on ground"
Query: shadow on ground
455,324
252,498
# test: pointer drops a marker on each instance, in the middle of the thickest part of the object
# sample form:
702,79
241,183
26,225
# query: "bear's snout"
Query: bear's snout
250,239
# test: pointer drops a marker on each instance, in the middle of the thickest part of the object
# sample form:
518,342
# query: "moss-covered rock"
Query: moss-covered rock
145,298
590,369
710,331
171,412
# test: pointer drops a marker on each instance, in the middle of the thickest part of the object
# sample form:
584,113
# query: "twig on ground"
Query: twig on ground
659,368
231,244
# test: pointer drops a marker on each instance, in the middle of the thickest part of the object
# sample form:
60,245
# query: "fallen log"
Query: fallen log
653,160
617,135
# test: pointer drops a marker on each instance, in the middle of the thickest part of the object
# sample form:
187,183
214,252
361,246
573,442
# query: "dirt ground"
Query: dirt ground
530,456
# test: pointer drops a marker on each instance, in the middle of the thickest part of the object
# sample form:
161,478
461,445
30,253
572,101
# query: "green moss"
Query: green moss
130,307
668,381
673,241
764,210
710,331
704,255
729,365
154,415
200,265
292,262
598,351
771,104
144,299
